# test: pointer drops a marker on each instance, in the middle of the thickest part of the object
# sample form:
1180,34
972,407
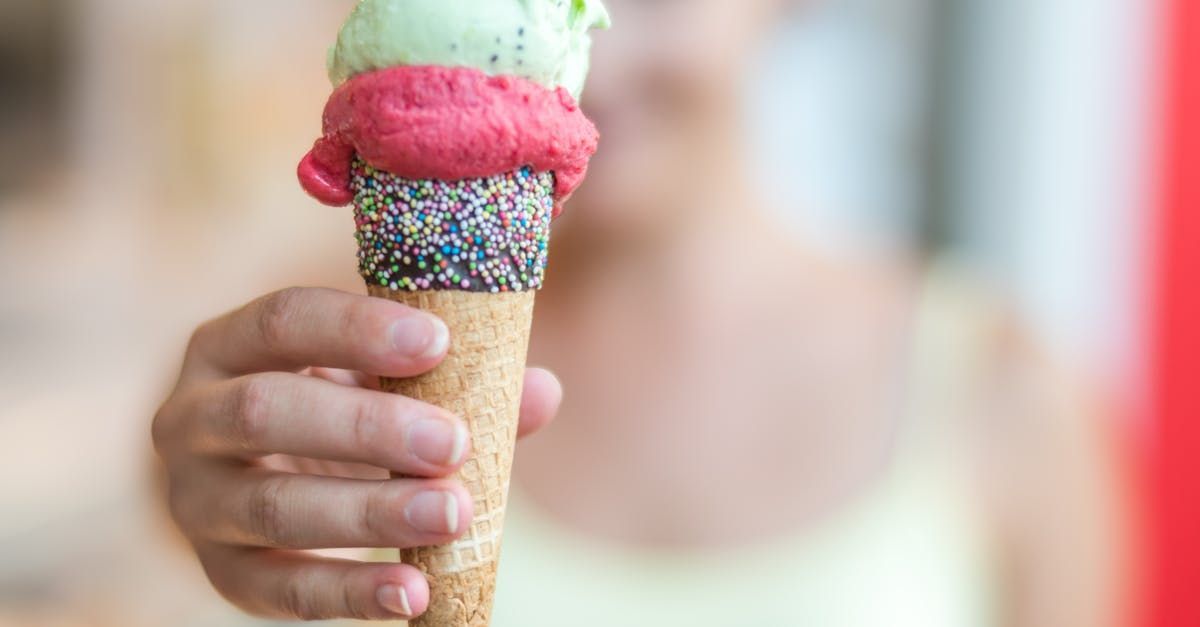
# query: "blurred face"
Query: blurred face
665,91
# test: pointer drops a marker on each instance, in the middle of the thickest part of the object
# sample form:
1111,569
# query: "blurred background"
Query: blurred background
147,159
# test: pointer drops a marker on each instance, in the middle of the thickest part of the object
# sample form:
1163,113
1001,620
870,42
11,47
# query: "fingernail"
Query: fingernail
420,336
394,599
438,442
433,512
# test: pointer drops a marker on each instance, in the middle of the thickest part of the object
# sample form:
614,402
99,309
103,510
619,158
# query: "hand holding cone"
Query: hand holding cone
456,167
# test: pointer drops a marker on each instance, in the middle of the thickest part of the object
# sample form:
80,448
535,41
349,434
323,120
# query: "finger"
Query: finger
540,401
298,586
281,413
260,508
300,327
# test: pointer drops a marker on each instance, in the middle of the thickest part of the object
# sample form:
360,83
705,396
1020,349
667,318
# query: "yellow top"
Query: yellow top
911,551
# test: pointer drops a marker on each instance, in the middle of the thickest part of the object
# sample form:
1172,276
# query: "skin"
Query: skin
275,443
691,402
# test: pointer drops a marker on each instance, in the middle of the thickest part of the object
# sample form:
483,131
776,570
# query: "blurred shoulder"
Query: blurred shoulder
975,322
1048,447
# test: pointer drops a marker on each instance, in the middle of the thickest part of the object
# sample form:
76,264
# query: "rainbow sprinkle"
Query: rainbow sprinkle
479,235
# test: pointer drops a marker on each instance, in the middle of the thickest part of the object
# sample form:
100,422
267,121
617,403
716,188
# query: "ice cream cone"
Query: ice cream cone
480,380
469,252
455,130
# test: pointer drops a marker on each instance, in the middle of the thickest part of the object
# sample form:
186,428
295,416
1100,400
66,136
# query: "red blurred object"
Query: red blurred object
1176,334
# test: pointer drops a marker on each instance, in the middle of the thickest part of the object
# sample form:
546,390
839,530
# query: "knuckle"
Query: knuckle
377,510
160,429
363,318
379,425
276,313
353,610
198,338
297,600
197,355
250,410
369,424
267,513
354,317
350,608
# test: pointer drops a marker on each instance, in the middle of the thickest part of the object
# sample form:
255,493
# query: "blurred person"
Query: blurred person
752,434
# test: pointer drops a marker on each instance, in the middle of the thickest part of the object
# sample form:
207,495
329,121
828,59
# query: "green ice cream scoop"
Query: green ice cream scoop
546,41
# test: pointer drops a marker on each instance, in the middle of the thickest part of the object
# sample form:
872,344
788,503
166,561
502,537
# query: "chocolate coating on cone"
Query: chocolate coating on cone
478,235
480,381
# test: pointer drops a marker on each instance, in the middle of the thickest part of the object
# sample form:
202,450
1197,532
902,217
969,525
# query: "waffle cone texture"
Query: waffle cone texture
472,252
481,381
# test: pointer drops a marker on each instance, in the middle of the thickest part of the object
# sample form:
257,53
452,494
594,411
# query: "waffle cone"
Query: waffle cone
480,380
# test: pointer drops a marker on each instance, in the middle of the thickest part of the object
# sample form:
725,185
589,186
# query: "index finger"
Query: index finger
297,328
